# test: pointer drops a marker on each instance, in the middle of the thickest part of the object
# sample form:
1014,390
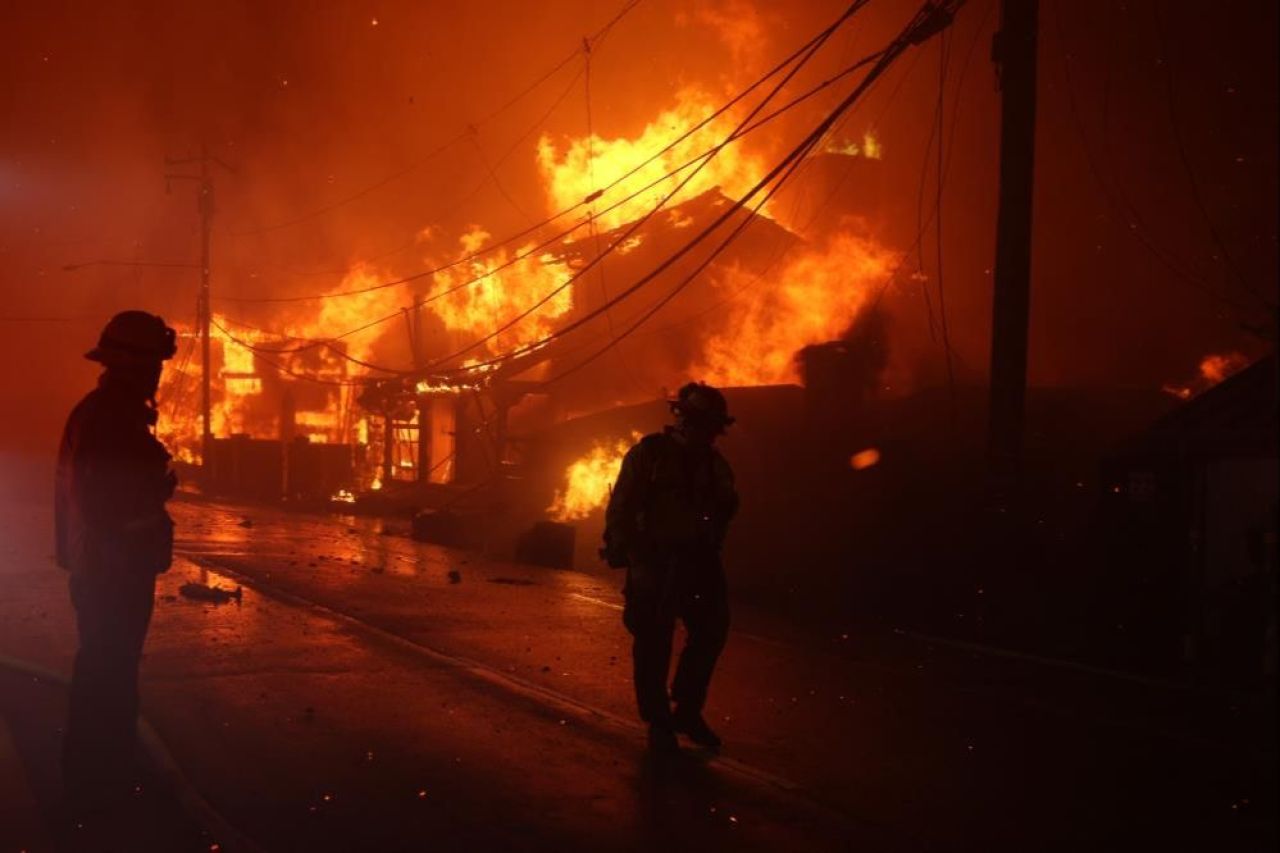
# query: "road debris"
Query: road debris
215,594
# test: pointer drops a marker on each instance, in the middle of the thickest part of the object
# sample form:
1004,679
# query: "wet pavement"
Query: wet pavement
370,692
33,816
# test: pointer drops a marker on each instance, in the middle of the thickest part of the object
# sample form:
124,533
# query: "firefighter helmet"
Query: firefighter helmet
699,401
134,337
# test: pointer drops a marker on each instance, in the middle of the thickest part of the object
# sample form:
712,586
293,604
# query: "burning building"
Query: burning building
439,381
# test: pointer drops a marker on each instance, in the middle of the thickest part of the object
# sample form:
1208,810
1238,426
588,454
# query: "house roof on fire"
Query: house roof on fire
661,236
1237,417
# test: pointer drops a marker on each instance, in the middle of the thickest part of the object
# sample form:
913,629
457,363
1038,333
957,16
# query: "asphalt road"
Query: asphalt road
373,693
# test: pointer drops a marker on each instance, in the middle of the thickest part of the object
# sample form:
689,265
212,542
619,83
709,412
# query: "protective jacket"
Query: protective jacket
113,480
670,499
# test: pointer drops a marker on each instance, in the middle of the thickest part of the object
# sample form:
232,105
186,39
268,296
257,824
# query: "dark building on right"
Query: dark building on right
1189,519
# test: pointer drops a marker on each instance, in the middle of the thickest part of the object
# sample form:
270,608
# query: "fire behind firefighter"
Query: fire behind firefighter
666,522
113,537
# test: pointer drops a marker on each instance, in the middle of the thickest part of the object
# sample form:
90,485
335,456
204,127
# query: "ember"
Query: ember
865,459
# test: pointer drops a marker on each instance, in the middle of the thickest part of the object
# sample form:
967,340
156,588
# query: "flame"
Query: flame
864,459
1213,369
589,163
770,318
587,480
766,320
498,296
442,386
240,378
869,147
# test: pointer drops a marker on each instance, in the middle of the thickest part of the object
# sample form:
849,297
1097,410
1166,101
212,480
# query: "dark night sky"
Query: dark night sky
314,101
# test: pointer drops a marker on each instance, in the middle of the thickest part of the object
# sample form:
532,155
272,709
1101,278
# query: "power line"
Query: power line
737,133
816,45
178,393
599,192
493,177
935,130
951,134
261,356
1196,195
591,176
944,59
464,200
460,136
328,343
35,319
790,163
922,26
922,229
743,128
695,160
1121,205
928,21
848,169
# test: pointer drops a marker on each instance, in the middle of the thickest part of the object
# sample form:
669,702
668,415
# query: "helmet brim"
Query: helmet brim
700,415
118,358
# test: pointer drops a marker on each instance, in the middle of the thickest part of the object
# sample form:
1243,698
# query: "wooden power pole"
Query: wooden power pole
1014,52
205,206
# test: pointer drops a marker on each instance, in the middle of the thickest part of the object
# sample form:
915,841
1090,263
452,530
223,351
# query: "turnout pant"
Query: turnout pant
655,597
112,616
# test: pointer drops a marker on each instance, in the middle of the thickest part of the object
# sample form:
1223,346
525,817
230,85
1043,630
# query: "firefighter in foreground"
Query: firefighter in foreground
666,523
113,537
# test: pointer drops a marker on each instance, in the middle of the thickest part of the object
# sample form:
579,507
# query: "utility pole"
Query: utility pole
1014,53
413,319
205,207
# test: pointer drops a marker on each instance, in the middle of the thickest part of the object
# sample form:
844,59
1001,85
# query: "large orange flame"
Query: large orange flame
771,317
588,479
500,295
240,377
589,163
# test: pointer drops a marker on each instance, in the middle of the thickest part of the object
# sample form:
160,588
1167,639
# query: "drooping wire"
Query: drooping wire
434,296
813,46
178,391
884,59
261,356
944,59
460,136
847,171
461,202
595,232
599,192
789,164
1193,182
700,160
1120,205
635,226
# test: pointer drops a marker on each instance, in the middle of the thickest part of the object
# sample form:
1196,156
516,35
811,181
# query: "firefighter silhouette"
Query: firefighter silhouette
113,537
666,522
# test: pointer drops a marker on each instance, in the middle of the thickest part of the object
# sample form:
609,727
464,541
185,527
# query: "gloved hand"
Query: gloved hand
616,558
614,552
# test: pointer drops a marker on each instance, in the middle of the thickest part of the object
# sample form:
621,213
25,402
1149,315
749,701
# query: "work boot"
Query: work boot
696,729
662,739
